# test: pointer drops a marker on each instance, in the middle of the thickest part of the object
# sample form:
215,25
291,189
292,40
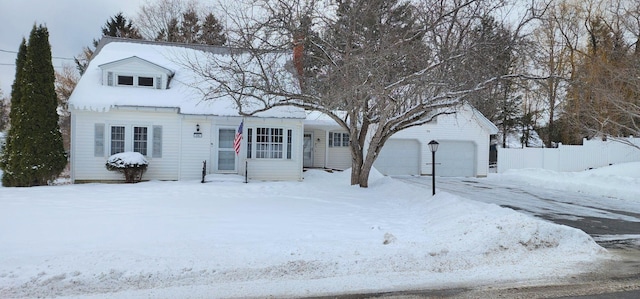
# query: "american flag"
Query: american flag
238,139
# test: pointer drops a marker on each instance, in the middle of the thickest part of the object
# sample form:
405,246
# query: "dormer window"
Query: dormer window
125,80
136,72
145,81
142,81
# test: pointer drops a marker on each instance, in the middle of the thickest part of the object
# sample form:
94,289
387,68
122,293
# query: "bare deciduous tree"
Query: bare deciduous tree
66,81
375,67
180,21
155,17
553,41
605,86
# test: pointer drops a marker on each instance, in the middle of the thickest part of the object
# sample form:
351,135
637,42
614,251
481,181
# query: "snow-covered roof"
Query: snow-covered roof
483,120
319,119
138,59
322,120
92,94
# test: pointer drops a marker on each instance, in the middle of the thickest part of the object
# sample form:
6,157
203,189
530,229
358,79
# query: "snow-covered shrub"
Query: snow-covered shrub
131,164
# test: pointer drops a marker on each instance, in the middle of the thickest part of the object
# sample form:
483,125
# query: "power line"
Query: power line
54,57
13,64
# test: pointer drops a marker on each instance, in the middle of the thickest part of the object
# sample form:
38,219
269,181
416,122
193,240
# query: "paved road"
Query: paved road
611,222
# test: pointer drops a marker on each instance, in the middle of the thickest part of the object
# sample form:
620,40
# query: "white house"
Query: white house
464,139
137,96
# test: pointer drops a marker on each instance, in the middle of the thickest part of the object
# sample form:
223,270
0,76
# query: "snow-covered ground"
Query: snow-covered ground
281,239
618,182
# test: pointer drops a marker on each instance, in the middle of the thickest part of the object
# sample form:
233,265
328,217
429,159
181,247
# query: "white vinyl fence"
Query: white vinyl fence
592,154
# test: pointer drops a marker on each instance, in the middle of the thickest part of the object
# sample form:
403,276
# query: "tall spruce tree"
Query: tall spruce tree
212,31
9,160
35,153
117,26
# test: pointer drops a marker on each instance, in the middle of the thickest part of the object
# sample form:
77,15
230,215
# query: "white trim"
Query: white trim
215,140
128,136
109,65
136,78
313,145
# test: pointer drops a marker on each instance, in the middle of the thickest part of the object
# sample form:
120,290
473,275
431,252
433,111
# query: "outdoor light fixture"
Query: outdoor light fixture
433,146
197,133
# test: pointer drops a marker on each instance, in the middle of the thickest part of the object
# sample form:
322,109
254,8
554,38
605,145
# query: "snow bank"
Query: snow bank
621,181
280,239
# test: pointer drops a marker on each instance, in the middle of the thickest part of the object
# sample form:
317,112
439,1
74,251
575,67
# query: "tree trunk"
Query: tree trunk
356,164
363,180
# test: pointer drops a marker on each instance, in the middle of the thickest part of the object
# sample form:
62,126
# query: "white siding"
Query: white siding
339,158
274,169
133,67
319,147
86,167
451,127
194,151
465,125
182,153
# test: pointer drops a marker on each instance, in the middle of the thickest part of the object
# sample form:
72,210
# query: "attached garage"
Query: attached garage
463,149
456,158
464,138
399,157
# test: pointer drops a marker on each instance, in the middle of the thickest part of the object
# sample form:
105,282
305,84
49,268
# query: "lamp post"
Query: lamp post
433,146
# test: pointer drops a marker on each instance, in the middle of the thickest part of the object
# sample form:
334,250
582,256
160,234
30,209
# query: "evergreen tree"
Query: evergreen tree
35,154
117,26
9,160
190,27
4,112
212,32
173,31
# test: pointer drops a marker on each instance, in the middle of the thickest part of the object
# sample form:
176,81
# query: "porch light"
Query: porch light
433,146
197,133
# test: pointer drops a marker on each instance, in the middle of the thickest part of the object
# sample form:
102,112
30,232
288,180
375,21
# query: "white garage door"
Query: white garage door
399,157
455,159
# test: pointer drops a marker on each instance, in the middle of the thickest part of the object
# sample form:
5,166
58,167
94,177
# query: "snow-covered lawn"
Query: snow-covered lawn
282,239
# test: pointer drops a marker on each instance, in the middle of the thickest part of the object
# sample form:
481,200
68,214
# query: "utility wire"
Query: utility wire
54,57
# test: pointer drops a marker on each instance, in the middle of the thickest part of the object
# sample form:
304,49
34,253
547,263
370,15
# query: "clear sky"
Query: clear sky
72,25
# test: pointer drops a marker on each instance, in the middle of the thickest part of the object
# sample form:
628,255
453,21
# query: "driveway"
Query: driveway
612,223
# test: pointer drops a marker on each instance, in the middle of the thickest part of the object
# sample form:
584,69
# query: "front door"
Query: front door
307,151
226,155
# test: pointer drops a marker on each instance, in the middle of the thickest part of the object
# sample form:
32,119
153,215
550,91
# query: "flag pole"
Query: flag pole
246,163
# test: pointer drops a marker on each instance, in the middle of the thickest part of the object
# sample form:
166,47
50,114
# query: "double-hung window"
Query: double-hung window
140,138
338,139
146,140
117,139
132,80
